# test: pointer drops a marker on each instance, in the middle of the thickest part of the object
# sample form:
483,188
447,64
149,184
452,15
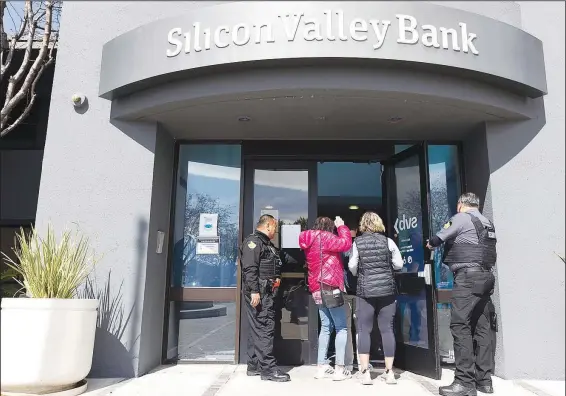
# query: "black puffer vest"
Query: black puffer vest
375,273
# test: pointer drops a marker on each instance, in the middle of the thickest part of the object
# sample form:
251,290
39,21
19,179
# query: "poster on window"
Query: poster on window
444,278
208,245
410,241
208,225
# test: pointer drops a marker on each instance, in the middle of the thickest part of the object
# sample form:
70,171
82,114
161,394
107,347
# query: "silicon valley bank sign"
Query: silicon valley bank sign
330,27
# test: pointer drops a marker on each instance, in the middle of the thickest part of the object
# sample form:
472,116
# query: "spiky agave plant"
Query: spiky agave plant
50,268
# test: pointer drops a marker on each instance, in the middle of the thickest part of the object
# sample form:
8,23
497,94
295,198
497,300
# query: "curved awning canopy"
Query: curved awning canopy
413,35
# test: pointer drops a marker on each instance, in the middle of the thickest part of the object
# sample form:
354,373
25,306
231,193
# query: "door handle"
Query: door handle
428,274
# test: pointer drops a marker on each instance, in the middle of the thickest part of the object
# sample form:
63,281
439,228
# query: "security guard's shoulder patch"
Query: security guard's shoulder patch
447,225
251,245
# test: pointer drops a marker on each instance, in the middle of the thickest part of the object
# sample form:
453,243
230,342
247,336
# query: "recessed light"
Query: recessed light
269,207
353,207
394,120
244,118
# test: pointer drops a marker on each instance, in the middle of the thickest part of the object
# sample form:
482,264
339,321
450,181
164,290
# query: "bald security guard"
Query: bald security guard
261,271
469,250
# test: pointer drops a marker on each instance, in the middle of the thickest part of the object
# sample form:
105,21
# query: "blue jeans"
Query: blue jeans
332,319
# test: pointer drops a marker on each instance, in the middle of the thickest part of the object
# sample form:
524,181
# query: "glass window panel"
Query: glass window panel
411,308
208,181
402,147
444,175
202,331
284,195
408,228
445,188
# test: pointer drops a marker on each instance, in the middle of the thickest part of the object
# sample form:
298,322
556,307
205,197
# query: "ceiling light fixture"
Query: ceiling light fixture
269,207
244,118
353,207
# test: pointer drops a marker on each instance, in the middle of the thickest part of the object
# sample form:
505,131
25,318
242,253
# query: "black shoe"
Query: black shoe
252,371
485,388
457,389
275,375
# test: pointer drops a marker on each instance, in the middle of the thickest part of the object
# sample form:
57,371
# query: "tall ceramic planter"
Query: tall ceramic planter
47,345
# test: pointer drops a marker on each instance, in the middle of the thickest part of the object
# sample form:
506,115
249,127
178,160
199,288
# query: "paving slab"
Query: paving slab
231,380
179,380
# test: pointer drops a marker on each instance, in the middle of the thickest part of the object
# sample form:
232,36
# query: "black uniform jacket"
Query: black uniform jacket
260,260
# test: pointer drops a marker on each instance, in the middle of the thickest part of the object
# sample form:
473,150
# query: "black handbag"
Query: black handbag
332,296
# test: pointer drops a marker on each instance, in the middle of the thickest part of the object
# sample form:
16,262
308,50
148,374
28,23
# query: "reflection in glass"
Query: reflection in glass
444,192
208,181
445,188
411,309
402,147
412,312
408,224
205,330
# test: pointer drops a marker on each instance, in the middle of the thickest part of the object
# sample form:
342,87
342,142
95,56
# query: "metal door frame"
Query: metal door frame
412,358
248,222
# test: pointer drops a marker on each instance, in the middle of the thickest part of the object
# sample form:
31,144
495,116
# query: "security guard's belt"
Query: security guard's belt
472,269
268,285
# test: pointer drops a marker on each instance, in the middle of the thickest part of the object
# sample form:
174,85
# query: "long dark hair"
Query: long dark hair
324,224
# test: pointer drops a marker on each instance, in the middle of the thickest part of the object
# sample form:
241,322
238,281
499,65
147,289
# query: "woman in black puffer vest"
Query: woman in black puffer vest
374,258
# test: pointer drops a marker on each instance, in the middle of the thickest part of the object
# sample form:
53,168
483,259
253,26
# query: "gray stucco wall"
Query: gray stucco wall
112,181
477,180
155,281
101,177
526,161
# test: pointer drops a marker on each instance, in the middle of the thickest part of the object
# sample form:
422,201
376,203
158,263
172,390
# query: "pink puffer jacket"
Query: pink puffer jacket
332,245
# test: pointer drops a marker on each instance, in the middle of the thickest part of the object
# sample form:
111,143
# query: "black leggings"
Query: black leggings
365,314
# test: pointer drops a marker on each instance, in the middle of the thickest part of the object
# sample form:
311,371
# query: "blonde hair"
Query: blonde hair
371,222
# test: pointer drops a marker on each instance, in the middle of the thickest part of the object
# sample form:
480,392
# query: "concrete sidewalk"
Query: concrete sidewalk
230,380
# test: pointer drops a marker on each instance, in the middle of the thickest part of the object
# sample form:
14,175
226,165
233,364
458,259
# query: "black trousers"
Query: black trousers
474,337
261,333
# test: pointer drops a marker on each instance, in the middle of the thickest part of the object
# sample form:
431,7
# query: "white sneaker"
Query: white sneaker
324,372
365,377
341,375
388,377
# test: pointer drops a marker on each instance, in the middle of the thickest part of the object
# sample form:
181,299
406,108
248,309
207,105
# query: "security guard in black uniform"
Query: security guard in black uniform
470,252
261,271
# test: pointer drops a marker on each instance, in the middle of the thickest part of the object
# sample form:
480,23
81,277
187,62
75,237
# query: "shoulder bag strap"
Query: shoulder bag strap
320,253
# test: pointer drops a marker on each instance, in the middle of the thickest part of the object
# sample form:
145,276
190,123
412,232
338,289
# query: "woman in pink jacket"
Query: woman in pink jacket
322,249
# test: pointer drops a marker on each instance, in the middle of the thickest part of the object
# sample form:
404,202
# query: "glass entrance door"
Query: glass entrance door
285,190
406,199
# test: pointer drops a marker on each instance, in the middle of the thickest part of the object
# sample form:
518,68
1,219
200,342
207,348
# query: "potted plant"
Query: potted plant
47,337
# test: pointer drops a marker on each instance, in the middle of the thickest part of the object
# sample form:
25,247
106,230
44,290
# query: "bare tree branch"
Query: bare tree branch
2,9
38,23
13,42
30,104
15,79
36,69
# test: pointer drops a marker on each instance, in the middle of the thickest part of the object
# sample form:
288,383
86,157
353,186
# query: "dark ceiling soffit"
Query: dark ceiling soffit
508,85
